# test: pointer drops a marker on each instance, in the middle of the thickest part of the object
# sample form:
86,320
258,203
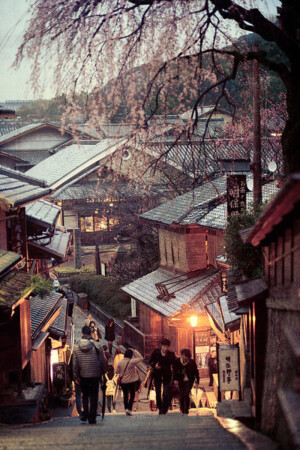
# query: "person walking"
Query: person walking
88,368
95,332
128,377
185,374
212,367
111,387
78,399
162,361
118,356
110,334
88,320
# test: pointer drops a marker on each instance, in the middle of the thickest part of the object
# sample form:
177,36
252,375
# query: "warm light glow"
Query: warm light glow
193,321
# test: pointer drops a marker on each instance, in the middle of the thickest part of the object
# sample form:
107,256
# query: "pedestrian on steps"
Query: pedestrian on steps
185,374
126,368
162,362
88,369
110,334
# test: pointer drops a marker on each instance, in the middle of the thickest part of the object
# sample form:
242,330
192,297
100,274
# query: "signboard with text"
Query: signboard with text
236,194
229,368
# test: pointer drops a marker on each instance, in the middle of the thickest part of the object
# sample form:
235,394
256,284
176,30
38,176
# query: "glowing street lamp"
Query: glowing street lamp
193,321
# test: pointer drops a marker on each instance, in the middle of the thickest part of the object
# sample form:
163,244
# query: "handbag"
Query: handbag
120,379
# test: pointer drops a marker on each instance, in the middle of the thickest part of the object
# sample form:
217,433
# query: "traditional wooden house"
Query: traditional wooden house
28,224
101,188
31,143
274,317
19,337
189,282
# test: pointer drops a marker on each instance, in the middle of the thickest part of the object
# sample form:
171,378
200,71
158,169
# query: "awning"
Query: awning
251,290
214,312
56,248
43,213
12,287
8,260
39,340
230,318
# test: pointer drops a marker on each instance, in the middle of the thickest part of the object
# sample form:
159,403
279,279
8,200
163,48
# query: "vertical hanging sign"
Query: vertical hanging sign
228,368
18,234
236,194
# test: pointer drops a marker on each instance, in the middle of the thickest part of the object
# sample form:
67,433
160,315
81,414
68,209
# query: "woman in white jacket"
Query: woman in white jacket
129,377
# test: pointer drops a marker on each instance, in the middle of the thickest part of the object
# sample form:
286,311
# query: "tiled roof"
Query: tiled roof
12,288
7,260
103,191
229,316
59,325
18,189
42,309
70,161
214,312
21,130
57,247
200,156
197,292
204,206
176,211
9,127
43,212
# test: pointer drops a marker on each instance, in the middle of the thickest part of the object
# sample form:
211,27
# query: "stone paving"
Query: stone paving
117,431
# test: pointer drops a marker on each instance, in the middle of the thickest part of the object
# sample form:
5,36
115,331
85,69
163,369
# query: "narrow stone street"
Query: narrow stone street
141,431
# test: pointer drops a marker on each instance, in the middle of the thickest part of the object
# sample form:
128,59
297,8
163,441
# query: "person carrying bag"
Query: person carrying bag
128,377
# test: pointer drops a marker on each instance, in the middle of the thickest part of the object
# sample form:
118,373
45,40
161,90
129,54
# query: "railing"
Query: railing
144,343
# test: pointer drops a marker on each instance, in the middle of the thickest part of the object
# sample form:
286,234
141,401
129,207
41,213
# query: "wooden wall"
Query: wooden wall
189,249
25,332
39,365
3,232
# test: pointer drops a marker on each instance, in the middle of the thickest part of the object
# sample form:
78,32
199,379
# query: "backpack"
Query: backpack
111,385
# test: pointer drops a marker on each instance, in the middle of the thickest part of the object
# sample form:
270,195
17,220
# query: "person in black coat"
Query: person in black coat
110,334
162,362
185,374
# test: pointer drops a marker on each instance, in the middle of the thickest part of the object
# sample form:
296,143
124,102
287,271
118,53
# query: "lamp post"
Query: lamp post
193,322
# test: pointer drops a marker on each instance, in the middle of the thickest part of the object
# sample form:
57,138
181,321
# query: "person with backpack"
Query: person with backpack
111,387
88,367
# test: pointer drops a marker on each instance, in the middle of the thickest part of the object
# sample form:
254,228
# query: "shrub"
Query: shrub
105,293
243,258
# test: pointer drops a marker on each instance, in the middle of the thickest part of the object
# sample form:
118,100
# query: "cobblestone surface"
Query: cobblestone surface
117,431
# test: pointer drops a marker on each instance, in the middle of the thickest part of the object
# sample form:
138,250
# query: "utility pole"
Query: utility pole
256,163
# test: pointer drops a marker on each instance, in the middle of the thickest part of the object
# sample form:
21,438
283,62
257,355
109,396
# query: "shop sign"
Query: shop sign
236,194
18,233
229,368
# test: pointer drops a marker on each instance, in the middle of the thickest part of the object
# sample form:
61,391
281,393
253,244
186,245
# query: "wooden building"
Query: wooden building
274,317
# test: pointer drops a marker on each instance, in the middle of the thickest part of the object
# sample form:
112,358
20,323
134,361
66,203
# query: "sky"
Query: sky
14,84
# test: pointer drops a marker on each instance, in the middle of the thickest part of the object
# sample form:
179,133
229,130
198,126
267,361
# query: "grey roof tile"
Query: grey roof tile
145,291
41,309
204,206
57,247
7,260
43,212
17,189
70,161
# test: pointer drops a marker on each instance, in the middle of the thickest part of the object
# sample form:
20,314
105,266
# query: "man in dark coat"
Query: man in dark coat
162,361
110,334
88,367
185,373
